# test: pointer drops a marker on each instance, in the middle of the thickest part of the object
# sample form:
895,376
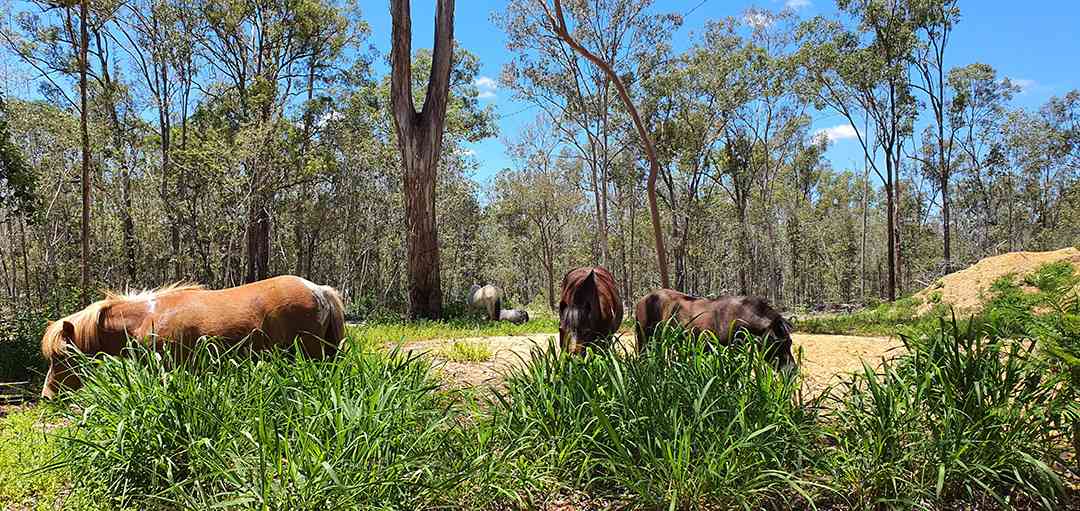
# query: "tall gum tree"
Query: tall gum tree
555,23
419,137
934,21
862,73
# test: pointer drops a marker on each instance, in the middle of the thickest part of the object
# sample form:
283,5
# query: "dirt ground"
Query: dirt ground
825,357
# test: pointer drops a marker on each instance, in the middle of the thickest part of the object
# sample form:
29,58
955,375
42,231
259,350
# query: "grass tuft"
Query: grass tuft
465,351
965,416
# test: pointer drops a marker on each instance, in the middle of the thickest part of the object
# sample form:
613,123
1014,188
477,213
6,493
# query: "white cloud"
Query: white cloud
756,19
468,153
797,4
1024,84
487,87
836,133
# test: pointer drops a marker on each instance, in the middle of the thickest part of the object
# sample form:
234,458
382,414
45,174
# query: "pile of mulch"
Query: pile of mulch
966,289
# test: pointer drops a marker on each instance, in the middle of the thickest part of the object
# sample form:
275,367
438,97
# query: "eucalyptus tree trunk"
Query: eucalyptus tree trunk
419,137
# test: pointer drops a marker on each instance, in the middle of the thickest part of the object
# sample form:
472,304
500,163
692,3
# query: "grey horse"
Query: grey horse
486,298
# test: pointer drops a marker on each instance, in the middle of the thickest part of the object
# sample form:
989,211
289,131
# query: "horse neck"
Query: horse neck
120,320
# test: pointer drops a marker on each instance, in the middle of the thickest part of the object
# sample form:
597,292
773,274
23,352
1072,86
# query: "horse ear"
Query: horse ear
68,331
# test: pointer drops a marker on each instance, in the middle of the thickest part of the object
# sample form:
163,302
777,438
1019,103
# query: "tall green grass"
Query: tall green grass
676,427
964,417
275,431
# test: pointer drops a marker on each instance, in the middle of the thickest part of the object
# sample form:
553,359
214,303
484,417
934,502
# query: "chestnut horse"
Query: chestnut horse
268,313
721,317
590,308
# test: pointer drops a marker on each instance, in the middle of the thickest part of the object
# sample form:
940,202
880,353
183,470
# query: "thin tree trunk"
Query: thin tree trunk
26,262
84,41
865,225
890,293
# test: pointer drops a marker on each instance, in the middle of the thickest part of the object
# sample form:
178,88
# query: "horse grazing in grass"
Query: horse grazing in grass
269,313
515,316
589,309
487,298
721,317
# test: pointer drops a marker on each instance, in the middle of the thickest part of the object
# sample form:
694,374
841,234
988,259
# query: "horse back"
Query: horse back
721,317
269,312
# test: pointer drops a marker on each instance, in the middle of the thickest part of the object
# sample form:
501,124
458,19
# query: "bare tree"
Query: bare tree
419,136
557,25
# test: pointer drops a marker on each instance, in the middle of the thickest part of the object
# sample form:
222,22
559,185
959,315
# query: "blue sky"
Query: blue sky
1033,43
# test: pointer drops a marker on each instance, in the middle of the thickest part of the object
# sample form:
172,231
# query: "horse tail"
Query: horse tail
335,330
498,308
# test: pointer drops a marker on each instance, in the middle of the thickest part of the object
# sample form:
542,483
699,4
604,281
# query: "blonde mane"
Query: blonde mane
88,321
146,294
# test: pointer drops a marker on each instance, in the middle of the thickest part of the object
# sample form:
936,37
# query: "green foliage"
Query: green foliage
466,351
17,180
272,432
965,416
675,426
20,346
20,338
883,318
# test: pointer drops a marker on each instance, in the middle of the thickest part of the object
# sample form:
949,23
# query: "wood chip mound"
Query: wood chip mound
966,289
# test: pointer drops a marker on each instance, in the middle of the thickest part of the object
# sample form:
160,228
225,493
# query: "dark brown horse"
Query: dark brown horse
590,308
722,317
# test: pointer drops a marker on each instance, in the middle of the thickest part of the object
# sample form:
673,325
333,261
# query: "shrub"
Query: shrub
676,426
20,345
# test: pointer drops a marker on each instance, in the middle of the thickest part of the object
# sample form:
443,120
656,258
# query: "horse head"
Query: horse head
59,339
581,316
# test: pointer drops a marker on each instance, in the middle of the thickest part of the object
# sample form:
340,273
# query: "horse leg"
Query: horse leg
639,335
315,347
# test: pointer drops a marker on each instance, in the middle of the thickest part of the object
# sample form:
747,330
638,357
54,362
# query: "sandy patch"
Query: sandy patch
825,357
